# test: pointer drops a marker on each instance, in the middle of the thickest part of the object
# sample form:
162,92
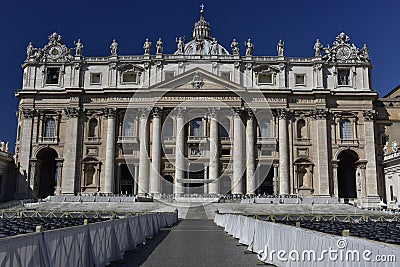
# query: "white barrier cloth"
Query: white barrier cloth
87,245
284,245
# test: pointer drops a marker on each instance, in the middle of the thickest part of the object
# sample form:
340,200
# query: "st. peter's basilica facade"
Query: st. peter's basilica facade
204,120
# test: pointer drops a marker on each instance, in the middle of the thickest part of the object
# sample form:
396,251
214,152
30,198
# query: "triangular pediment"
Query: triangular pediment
197,79
395,93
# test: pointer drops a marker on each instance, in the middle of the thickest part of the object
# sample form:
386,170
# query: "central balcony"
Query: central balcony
197,139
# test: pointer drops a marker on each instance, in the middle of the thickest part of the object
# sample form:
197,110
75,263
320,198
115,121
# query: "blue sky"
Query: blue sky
298,23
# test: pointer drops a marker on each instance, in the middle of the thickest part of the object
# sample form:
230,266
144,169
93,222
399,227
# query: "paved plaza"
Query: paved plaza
195,241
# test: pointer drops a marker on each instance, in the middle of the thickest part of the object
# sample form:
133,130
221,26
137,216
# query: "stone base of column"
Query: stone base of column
370,202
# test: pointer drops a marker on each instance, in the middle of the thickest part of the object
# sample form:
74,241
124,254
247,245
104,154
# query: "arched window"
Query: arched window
345,130
50,128
168,130
196,127
265,128
92,127
301,129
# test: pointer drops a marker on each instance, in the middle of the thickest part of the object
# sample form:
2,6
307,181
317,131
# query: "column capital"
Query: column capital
144,112
320,113
335,163
283,113
157,111
249,113
28,112
72,112
212,112
369,115
179,111
237,111
110,112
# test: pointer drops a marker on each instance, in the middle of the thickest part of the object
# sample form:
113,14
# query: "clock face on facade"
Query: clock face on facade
343,53
54,52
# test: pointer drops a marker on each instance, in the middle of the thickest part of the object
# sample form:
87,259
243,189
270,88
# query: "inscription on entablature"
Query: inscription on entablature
163,98
306,100
268,99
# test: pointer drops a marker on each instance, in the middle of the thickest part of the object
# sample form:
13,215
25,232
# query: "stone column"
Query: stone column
71,166
110,151
251,182
322,159
59,176
335,165
118,180
205,191
214,152
25,153
275,179
34,179
361,180
135,184
143,183
371,175
284,184
155,181
179,151
237,183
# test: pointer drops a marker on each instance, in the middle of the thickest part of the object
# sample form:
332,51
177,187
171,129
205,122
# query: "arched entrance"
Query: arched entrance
225,185
168,184
46,173
347,174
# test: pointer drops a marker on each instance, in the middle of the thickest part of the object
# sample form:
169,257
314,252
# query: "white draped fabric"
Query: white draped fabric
267,236
294,200
87,245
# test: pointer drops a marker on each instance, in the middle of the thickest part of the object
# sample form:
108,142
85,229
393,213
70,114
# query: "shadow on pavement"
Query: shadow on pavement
135,258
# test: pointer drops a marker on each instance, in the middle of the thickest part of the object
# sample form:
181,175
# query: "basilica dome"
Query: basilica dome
202,43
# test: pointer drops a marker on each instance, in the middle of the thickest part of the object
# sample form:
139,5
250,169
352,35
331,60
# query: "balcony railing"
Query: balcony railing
127,139
302,141
226,140
168,139
93,140
266,140
48,140
348,142
197,138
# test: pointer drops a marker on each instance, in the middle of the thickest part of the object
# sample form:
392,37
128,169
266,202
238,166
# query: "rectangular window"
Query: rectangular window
169,75
52,75
265,78
345,130
226,75
343,77
95,78
300,79
129,77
